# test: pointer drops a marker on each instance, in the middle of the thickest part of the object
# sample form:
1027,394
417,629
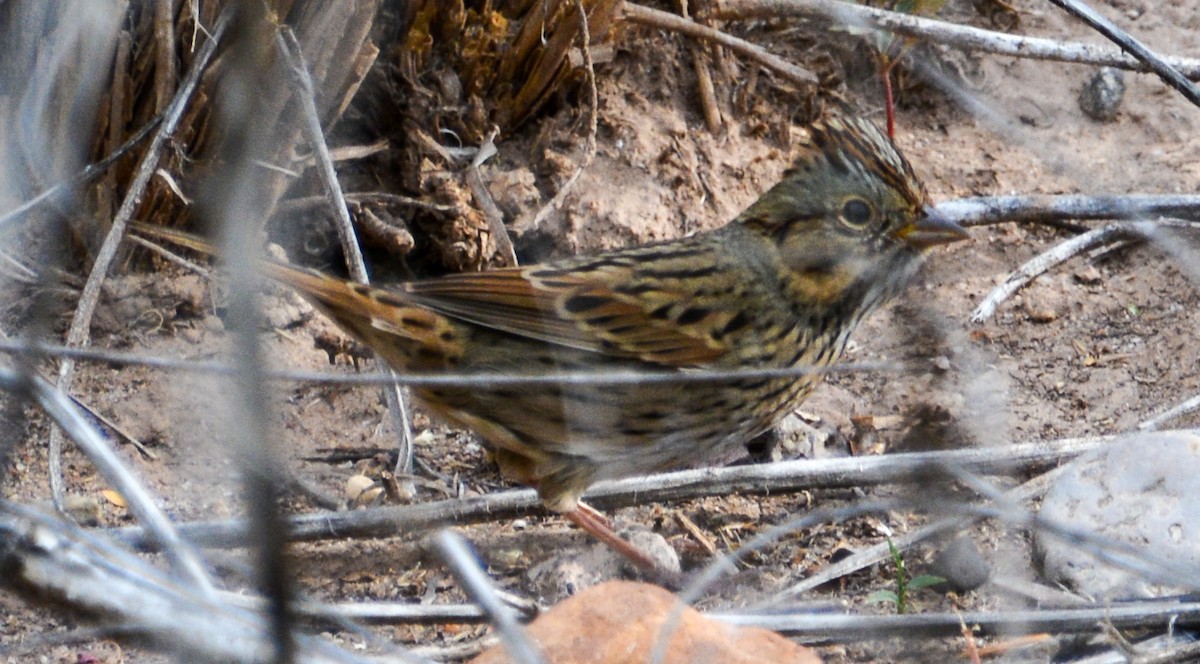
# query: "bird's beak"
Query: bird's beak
931,228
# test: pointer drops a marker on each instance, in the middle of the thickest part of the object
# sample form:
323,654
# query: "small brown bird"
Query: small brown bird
783,285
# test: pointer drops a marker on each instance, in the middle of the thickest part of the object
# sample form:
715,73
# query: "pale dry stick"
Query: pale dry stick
1179,410
16,270
656,18
289,47
1129,44
1183,652
118,429
172,257
881,552
1063,252
121,358
70,419
1121,554
487,204
770,479
987,210
476,584
402,200
81,322
57,559
1154,614
593,121
394,613
351,618
1034,593
1168,648
704,79
1110,551
949,34
459,652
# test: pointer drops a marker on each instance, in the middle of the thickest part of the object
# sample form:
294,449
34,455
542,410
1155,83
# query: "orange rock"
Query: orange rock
619,622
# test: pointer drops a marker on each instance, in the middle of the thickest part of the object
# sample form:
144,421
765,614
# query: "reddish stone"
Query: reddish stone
620,622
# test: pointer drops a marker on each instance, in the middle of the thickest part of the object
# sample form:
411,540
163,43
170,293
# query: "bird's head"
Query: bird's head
849,218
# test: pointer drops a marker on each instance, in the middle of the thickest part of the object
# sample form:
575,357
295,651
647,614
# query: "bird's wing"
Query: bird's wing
611,308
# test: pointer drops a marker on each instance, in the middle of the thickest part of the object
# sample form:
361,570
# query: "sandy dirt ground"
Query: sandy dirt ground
1093,347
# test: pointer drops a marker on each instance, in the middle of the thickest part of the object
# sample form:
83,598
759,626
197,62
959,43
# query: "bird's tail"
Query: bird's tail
409,336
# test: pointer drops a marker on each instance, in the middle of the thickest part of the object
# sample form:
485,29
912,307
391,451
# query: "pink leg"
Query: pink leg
593,522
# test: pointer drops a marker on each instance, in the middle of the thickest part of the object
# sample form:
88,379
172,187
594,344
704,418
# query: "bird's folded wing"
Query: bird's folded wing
591,313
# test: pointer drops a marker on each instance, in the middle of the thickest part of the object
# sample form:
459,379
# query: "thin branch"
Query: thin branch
305,202
290,48
1178,410
81,322
667,21
988,210
882,551
1149,614
465,568
487,204
58,560
171,257
772,479
71,419
1130,45
1121,554
950,34
478,380
1061,253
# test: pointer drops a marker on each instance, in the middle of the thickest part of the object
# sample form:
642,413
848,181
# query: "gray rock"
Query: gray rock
1141,490
1100,99
961,564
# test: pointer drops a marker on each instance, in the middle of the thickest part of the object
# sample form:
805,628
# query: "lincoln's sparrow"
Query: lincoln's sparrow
783,285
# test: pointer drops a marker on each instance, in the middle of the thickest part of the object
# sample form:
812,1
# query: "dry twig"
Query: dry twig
880,552
70,418
1065,251
289,46
1154,614
774,479
57,559
950,34
476,584
666,21
81,322
1126,41
987,210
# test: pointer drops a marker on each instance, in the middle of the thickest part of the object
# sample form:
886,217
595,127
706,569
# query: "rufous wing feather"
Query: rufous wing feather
585,313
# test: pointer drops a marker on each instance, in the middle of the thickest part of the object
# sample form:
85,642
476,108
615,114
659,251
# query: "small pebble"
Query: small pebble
357,485
1100,98
961,564
1089,276
85,509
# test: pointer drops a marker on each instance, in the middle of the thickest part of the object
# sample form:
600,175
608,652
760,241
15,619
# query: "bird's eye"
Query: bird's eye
856,213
